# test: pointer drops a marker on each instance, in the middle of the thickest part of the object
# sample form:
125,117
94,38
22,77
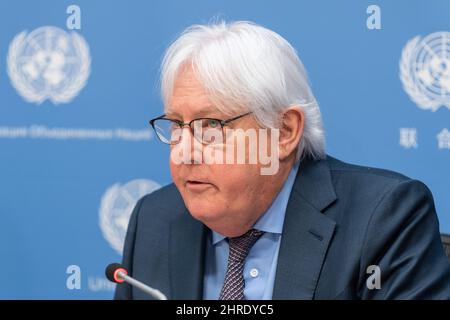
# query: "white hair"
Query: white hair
246,67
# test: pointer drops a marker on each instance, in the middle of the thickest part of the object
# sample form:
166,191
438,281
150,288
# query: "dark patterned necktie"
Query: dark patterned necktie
233,286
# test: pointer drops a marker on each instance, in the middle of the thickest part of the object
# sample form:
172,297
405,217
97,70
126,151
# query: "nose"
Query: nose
190,145
186,133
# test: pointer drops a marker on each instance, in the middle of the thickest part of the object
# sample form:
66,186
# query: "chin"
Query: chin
204,210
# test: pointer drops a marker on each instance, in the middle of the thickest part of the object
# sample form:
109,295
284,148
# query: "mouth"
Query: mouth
197,185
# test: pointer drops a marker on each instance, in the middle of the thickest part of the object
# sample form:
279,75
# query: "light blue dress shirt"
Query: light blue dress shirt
261,262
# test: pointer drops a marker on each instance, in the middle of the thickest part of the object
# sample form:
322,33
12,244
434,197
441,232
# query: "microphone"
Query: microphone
117,273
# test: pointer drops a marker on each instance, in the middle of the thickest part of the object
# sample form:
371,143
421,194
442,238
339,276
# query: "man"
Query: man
308,227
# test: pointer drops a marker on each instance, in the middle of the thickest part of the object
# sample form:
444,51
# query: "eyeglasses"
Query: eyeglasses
170,131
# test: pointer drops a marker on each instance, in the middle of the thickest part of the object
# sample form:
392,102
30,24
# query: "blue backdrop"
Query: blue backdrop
77,89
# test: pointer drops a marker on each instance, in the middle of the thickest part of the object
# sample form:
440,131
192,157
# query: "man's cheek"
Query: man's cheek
178,183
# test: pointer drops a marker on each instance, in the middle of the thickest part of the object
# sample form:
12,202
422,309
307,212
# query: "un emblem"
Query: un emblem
48,63
116,207
425,70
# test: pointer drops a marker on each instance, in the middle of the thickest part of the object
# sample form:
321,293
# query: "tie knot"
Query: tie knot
240,246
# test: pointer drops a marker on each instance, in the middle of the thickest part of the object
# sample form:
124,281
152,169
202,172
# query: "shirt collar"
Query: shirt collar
272,220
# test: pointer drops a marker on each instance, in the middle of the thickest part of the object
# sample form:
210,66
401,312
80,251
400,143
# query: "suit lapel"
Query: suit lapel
187,253
307,233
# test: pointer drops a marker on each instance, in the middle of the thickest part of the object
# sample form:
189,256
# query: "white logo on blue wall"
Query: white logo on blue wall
425,70
116,207
48,63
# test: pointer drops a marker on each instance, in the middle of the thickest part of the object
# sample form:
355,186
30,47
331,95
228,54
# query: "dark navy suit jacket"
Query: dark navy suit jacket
340,219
